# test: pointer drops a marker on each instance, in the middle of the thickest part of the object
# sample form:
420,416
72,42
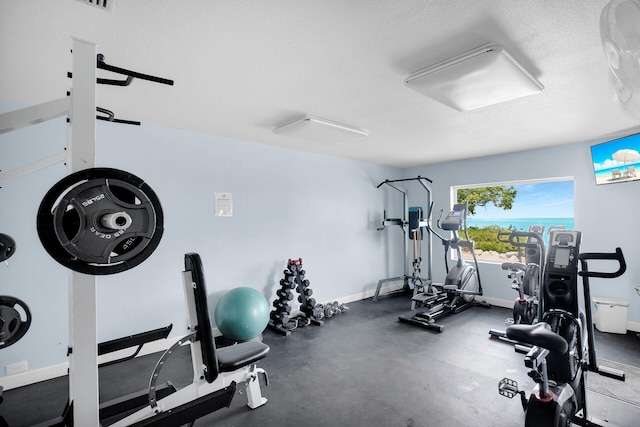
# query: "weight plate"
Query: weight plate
15,319
7,247
100,221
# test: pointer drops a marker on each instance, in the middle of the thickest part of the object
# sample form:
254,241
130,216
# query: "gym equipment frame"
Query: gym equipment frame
80,108
407,233
216,372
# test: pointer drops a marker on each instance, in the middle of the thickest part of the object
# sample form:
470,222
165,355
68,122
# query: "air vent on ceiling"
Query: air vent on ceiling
100,4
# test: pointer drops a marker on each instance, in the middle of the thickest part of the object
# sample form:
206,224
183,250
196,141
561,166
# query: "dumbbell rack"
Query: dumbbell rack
279,318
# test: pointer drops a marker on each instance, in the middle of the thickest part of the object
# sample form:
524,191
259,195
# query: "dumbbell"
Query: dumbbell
330,309
318,312
287,284
285,294
280,317
282,306
306,294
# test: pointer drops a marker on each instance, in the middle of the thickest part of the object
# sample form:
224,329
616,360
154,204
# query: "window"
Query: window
514,205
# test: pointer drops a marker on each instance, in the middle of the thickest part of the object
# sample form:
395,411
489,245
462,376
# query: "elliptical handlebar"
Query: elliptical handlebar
512,239
615,256
503,236
586,274
513,235
439,219
514,266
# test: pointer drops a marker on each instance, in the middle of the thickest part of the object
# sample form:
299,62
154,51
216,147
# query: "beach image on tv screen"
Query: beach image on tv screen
617,160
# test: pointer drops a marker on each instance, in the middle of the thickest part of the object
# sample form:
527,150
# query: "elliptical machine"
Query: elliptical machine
563,347
462,282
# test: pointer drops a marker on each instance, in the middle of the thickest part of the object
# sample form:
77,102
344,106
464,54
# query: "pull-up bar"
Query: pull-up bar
418,178
129,73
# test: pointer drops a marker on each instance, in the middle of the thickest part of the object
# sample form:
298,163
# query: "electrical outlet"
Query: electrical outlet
16,368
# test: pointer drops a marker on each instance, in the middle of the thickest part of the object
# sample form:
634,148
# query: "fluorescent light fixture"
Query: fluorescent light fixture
319,130
478,78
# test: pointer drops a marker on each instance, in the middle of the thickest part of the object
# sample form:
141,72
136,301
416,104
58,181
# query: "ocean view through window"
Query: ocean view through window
514,206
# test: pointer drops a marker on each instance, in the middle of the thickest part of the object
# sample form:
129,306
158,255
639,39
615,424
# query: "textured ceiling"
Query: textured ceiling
242,67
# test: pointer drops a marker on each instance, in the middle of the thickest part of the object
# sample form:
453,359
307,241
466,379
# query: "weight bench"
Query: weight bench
217,371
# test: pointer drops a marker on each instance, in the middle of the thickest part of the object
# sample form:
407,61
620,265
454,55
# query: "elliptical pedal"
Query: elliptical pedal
424,298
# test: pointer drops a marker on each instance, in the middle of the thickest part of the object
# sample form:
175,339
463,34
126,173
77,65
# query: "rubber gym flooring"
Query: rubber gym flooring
364,368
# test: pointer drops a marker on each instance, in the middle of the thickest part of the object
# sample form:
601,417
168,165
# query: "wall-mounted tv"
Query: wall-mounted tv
617,160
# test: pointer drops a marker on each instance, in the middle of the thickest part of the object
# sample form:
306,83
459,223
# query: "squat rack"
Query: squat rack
80,108
404,224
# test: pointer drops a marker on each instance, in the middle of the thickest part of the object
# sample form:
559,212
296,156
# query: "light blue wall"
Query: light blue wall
606,215
286,204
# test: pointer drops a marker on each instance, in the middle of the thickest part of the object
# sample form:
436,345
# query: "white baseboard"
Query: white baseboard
33,376
633,326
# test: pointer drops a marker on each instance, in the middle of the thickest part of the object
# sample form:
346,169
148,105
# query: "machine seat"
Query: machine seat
539,335
238,355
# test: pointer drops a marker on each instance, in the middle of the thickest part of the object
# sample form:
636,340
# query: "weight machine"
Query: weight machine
80,108
216,371
412,224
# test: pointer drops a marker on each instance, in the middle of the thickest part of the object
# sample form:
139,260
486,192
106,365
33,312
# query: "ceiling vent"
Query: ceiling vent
100,4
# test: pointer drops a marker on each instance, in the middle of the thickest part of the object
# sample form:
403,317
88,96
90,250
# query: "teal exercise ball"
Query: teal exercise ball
242,314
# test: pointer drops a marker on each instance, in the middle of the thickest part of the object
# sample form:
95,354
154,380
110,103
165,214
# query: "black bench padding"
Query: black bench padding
193,264
238,355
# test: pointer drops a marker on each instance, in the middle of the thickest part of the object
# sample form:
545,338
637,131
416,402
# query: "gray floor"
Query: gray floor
362,368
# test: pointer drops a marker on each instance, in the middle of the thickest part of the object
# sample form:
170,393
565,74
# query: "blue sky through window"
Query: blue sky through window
551,199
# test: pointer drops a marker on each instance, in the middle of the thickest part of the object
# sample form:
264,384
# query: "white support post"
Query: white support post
80,154
81,136
83,335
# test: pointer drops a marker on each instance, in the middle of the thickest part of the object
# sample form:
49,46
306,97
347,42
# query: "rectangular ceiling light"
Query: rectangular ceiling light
478,78
319,130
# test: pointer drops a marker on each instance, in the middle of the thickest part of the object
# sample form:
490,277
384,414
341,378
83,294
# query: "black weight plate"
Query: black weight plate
7,247
13,323
70,227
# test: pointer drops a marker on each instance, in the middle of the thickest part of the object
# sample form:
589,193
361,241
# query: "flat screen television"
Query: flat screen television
617,161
